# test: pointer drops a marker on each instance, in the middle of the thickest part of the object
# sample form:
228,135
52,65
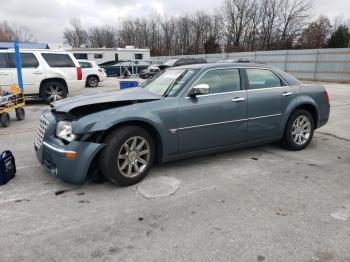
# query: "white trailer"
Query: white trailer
110,55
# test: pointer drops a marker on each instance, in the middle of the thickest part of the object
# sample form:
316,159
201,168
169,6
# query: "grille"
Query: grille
43,124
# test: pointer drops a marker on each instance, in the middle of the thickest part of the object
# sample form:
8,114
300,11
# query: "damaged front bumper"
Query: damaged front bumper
68,162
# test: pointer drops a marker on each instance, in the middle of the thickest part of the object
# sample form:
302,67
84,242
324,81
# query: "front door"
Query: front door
268,98
216,119
5,77
32,72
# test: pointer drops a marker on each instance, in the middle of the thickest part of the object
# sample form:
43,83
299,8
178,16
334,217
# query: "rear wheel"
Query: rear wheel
299,131
20,113
53,91
92,81
128,155
5,119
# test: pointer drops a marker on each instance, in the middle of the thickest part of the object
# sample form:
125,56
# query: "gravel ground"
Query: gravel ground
257,204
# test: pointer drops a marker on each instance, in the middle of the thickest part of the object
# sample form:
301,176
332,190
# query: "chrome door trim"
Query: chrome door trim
267,116
174,130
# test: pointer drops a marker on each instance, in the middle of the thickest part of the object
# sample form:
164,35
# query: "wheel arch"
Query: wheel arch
52,79
153,131
310,107
95,75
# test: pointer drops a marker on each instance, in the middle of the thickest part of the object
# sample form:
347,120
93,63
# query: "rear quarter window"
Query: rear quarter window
262,78
58,60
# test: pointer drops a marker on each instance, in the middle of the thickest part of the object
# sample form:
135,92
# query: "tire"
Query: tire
299,131
92,81
53,91
129,160
20,113
5,119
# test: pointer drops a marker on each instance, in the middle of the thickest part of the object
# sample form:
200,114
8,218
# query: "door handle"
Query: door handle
238,99
4,73
37,72
287,94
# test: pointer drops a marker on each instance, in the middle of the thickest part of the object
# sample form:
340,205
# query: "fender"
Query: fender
298,101
106,120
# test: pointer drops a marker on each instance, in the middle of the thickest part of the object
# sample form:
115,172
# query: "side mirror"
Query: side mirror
202,89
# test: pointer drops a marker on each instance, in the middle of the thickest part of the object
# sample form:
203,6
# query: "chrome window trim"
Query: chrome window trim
174,130
241,67
266,88
216,94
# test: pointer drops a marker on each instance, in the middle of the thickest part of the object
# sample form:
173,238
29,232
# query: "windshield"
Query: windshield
170,62
169,82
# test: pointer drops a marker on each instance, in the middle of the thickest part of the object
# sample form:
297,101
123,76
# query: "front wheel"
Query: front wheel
299,131
128,155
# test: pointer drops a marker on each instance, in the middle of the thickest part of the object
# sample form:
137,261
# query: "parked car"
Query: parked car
181,62
149,72
49,74
92,73
184,111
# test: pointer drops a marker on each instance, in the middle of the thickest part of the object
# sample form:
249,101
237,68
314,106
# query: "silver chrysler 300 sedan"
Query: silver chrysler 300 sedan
184,111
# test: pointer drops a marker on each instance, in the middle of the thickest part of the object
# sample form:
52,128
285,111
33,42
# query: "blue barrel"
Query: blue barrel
128,84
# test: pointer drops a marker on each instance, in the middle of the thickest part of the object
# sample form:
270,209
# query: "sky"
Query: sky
47,19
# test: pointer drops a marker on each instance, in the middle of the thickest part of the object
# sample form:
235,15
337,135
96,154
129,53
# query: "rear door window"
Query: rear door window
28,60
3,60
58,60
262,78
221,80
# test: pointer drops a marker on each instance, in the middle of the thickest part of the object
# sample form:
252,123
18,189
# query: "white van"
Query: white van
47,73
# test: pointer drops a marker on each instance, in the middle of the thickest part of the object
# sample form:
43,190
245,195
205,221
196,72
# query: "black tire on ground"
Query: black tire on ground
53,91
5,119
113,158
92,81
295,138
20,113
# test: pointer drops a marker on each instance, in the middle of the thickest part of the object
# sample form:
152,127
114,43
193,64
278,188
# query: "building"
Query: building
111,55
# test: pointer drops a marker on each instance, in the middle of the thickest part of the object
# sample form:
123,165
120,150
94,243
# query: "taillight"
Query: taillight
79,73
100,70
326,95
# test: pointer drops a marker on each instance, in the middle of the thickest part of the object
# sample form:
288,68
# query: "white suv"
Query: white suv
47,73
92,73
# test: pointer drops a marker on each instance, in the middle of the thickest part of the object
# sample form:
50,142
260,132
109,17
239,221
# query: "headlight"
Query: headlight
64,131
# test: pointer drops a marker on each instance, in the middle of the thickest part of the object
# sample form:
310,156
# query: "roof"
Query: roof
221,65
9,45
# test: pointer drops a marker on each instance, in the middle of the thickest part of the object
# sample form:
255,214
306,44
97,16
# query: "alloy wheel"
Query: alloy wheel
134,157
54,93
93,82
301,130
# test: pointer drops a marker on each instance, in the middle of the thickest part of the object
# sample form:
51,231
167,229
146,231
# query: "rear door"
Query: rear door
32,72
217,119
63,64
268,97
5,77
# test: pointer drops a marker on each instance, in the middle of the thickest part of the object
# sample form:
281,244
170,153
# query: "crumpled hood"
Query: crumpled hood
113,99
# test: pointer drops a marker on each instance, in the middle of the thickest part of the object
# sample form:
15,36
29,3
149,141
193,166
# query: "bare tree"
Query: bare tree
315,35
76,36
14,32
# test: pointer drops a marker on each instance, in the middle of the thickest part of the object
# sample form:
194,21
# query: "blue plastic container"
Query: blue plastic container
128,84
